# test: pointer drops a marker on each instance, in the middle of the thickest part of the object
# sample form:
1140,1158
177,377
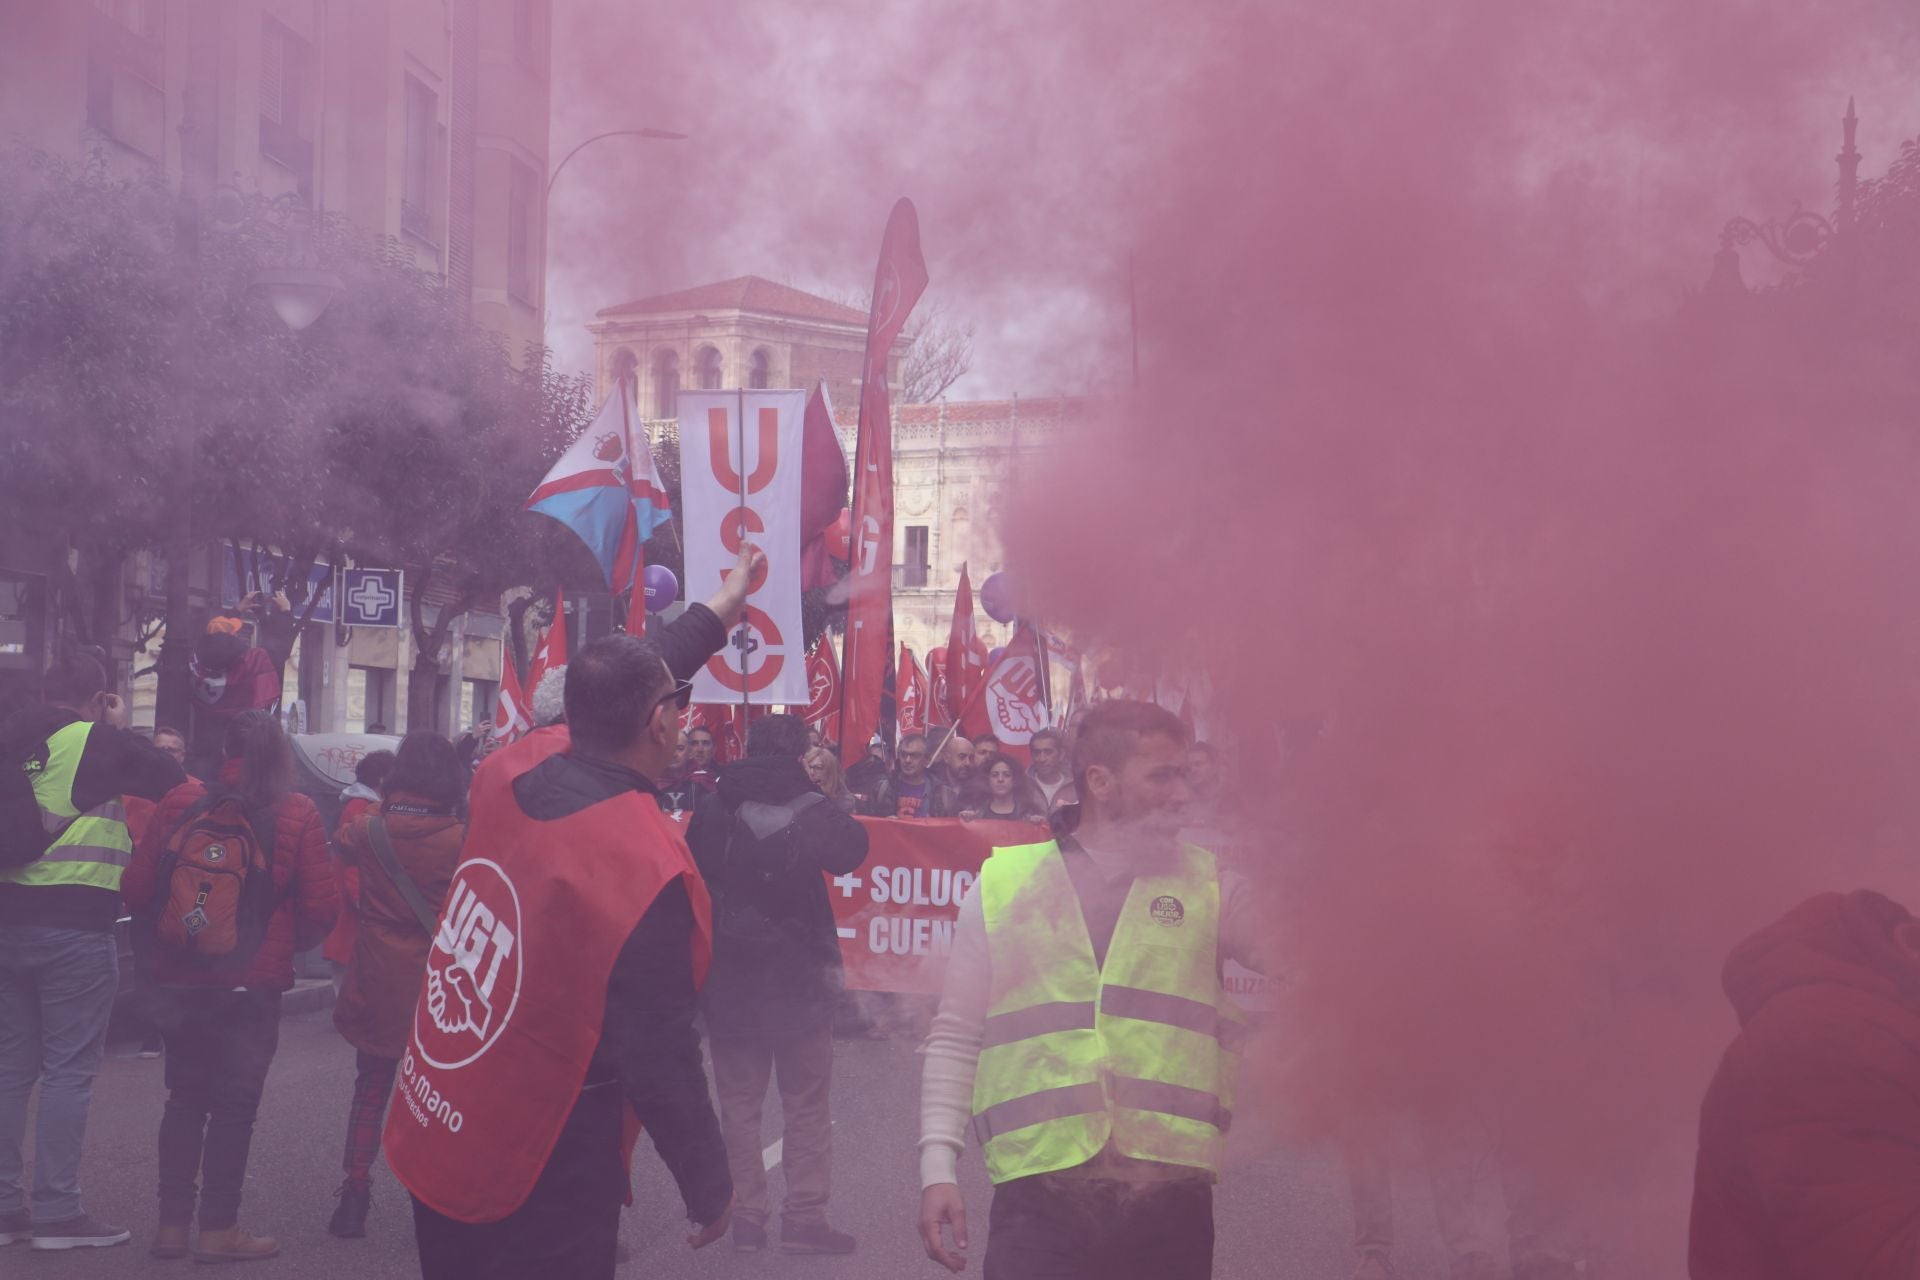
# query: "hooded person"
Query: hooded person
230,675
1809,1159
764,850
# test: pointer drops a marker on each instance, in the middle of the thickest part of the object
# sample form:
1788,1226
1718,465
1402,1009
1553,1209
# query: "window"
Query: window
476,704
624,365
666,383
284,62
369,700
530,26
706,369
915,574
126,59
522,192
760,370
422,161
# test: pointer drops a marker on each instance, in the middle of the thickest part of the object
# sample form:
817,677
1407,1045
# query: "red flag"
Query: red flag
823,491
551,651
510,717
910,691
823,686
1015,692
897,284
939,697
1076,695
966,665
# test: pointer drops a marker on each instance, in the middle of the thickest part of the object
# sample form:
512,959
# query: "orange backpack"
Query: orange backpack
216,890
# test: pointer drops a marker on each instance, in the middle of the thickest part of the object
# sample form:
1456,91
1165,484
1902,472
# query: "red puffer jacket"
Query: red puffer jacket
302,876
1809,1164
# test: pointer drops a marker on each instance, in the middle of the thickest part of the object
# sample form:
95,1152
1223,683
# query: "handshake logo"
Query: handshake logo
473,969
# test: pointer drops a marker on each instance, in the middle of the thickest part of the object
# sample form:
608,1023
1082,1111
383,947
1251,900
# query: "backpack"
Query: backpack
750,907
216,890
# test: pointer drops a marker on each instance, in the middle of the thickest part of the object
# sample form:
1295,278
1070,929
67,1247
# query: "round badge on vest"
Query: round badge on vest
473,969
1167,911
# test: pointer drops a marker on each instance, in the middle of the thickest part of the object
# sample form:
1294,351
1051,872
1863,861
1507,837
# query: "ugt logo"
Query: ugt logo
473,968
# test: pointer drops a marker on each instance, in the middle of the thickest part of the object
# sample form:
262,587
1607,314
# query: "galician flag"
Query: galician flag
606,489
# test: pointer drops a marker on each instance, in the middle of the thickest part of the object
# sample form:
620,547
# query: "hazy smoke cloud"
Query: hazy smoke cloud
1589,615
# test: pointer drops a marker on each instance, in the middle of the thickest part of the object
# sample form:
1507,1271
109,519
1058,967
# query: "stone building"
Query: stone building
951,460
424,121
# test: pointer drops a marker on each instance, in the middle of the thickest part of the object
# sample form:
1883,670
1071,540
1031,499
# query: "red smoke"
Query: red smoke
1564,633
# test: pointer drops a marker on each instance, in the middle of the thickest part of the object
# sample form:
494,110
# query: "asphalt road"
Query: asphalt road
1281,1215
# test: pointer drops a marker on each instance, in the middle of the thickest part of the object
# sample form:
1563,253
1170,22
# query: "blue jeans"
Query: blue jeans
56,997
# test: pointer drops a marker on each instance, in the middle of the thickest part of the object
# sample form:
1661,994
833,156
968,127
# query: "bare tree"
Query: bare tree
939,353
939,348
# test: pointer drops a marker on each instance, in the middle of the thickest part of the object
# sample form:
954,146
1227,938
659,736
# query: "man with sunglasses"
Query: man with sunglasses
561,988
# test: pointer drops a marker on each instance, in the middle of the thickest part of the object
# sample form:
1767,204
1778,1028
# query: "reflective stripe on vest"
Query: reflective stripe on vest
90,848
1140,1055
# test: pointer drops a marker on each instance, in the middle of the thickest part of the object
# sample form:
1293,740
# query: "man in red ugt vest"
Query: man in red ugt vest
560,989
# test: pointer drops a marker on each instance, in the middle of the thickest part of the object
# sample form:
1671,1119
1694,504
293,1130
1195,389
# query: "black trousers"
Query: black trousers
570,1224
219,1046
1050,1227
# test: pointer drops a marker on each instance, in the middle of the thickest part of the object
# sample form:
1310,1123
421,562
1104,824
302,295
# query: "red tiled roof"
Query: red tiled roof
744,293
964,411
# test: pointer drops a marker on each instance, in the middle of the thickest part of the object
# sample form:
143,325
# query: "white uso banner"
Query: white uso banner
730,442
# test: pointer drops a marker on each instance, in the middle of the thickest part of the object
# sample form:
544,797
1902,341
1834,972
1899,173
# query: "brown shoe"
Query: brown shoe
233,1245
169,1242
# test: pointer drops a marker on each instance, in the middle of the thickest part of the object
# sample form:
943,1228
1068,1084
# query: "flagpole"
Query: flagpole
740,430
627,414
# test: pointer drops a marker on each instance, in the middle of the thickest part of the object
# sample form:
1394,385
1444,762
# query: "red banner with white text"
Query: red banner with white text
896,913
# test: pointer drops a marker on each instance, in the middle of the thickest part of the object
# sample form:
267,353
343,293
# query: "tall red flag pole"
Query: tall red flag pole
898,282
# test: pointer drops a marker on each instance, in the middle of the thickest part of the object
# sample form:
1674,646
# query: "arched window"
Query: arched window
666,383
706,369
624,365
760,371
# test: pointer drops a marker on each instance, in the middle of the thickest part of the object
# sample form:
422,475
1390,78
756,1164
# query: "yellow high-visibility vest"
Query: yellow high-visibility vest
90,848
1140,1053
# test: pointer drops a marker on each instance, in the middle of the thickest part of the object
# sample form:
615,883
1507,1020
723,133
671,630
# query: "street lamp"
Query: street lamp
660,135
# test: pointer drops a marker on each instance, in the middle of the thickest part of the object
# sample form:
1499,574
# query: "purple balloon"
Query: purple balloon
996,597
659,586
993,656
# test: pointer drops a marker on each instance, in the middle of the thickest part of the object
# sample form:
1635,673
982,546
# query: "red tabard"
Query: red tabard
517,983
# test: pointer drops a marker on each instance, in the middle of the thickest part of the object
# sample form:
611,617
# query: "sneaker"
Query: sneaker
813,1237
16,1227
235,1244
169,1242
748,1237
78,1233
1375,1264
350,1215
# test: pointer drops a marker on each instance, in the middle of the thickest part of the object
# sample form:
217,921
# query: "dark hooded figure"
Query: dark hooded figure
1809,1163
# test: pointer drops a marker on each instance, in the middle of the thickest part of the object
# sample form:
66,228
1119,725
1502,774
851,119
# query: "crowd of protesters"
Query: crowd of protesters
1804,1165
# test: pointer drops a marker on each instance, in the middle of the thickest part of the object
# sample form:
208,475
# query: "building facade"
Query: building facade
952,461
421,121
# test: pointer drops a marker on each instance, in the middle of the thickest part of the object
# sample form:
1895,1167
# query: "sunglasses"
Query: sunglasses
680,695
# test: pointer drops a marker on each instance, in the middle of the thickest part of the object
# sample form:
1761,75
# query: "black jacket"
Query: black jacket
116,762
762,850
647,1038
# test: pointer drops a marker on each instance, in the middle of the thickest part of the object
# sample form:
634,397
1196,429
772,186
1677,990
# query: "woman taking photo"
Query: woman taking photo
220,1015
405,855
1007,796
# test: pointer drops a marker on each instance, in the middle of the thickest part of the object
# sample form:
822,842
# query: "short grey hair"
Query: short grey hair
550,698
